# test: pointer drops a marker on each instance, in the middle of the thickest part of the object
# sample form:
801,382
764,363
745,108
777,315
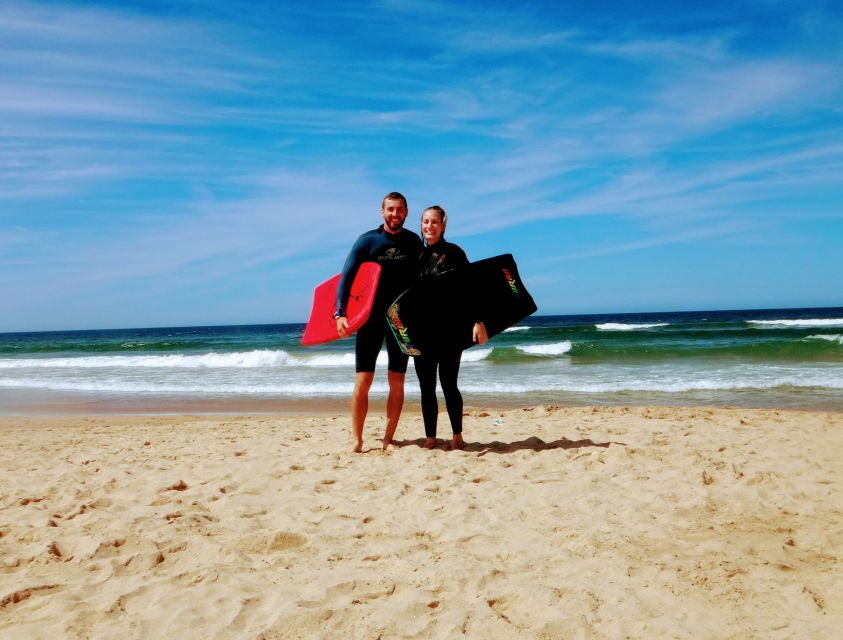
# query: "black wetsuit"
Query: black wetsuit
435,259
397,254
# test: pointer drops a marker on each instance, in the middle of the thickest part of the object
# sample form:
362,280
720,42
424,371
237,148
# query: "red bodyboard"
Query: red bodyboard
322,327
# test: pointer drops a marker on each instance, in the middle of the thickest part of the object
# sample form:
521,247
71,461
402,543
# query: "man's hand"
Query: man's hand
478,334
342,327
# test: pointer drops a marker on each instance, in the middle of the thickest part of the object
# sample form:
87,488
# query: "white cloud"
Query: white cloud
724,229
191,149
744,90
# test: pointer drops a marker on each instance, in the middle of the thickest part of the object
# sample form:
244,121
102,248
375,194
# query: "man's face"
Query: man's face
394,213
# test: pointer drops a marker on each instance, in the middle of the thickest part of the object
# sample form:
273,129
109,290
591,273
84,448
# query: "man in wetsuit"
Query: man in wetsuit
397,251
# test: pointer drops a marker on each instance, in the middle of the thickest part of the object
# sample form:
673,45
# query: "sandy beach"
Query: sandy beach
553,523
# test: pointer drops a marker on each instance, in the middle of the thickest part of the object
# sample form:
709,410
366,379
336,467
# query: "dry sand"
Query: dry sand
553,523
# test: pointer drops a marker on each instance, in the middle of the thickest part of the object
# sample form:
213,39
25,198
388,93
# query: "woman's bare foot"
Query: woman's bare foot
430,443
387,444
457,442
358,448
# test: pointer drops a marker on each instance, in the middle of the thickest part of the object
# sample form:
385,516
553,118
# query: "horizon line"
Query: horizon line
549,315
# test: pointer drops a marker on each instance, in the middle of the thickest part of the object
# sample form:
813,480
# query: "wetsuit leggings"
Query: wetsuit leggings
449,369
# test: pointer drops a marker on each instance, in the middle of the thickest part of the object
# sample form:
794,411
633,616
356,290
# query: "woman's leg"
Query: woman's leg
449,371
426,371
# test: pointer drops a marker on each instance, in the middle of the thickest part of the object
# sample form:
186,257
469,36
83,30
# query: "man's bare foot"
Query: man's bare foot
358,448
457,442
387,444
430,443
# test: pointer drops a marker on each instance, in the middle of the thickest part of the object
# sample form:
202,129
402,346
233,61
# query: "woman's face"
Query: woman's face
431,226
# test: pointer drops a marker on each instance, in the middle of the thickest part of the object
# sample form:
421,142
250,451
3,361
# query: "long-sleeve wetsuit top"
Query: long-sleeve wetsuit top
396,253
440,257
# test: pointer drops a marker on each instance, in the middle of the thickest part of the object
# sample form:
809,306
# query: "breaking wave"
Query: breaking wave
621,326
556,349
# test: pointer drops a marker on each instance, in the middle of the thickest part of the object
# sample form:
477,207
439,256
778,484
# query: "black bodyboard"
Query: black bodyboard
439,312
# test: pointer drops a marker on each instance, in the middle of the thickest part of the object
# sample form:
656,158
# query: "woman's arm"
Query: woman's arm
479,334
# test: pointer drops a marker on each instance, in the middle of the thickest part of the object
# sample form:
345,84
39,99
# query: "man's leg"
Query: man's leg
360,405
366,346
394,404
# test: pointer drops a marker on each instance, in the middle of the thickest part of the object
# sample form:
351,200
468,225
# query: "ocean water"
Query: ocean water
788,358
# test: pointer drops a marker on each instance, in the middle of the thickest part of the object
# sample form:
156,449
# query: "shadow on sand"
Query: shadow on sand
496,446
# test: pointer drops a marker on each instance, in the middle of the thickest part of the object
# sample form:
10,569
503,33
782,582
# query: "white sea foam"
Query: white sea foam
511,329
476,355
803,322
260,359
620,326
556,349
663,386
332,359
549,378
186,388
832,337
240,360
343,388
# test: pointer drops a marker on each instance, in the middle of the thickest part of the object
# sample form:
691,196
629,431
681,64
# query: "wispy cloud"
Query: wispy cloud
724,229
211,142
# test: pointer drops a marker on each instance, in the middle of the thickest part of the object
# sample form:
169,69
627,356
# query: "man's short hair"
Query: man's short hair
394,195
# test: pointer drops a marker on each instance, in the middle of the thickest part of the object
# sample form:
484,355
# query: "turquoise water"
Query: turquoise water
781,358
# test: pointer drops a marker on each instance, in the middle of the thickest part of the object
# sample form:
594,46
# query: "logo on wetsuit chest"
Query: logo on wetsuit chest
393,253
511,282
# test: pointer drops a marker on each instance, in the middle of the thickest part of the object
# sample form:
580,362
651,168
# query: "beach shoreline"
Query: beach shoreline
41,403
556,522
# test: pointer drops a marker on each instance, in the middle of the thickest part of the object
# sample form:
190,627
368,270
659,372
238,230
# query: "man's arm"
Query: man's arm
352,263
355,258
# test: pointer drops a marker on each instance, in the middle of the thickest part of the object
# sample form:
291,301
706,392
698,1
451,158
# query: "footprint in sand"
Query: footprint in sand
127,555
296,624
324,485
26,594
353,592
60,551
131,601
181,485
231,487
281,541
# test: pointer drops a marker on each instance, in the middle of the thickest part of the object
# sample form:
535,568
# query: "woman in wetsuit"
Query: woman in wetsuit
439,256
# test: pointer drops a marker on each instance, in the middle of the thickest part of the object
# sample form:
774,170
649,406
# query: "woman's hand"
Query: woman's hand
478,334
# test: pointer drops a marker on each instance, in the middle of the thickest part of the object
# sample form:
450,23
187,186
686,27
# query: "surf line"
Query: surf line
511,282
400,332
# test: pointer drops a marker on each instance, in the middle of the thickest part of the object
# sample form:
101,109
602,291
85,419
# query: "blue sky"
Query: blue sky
203,162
